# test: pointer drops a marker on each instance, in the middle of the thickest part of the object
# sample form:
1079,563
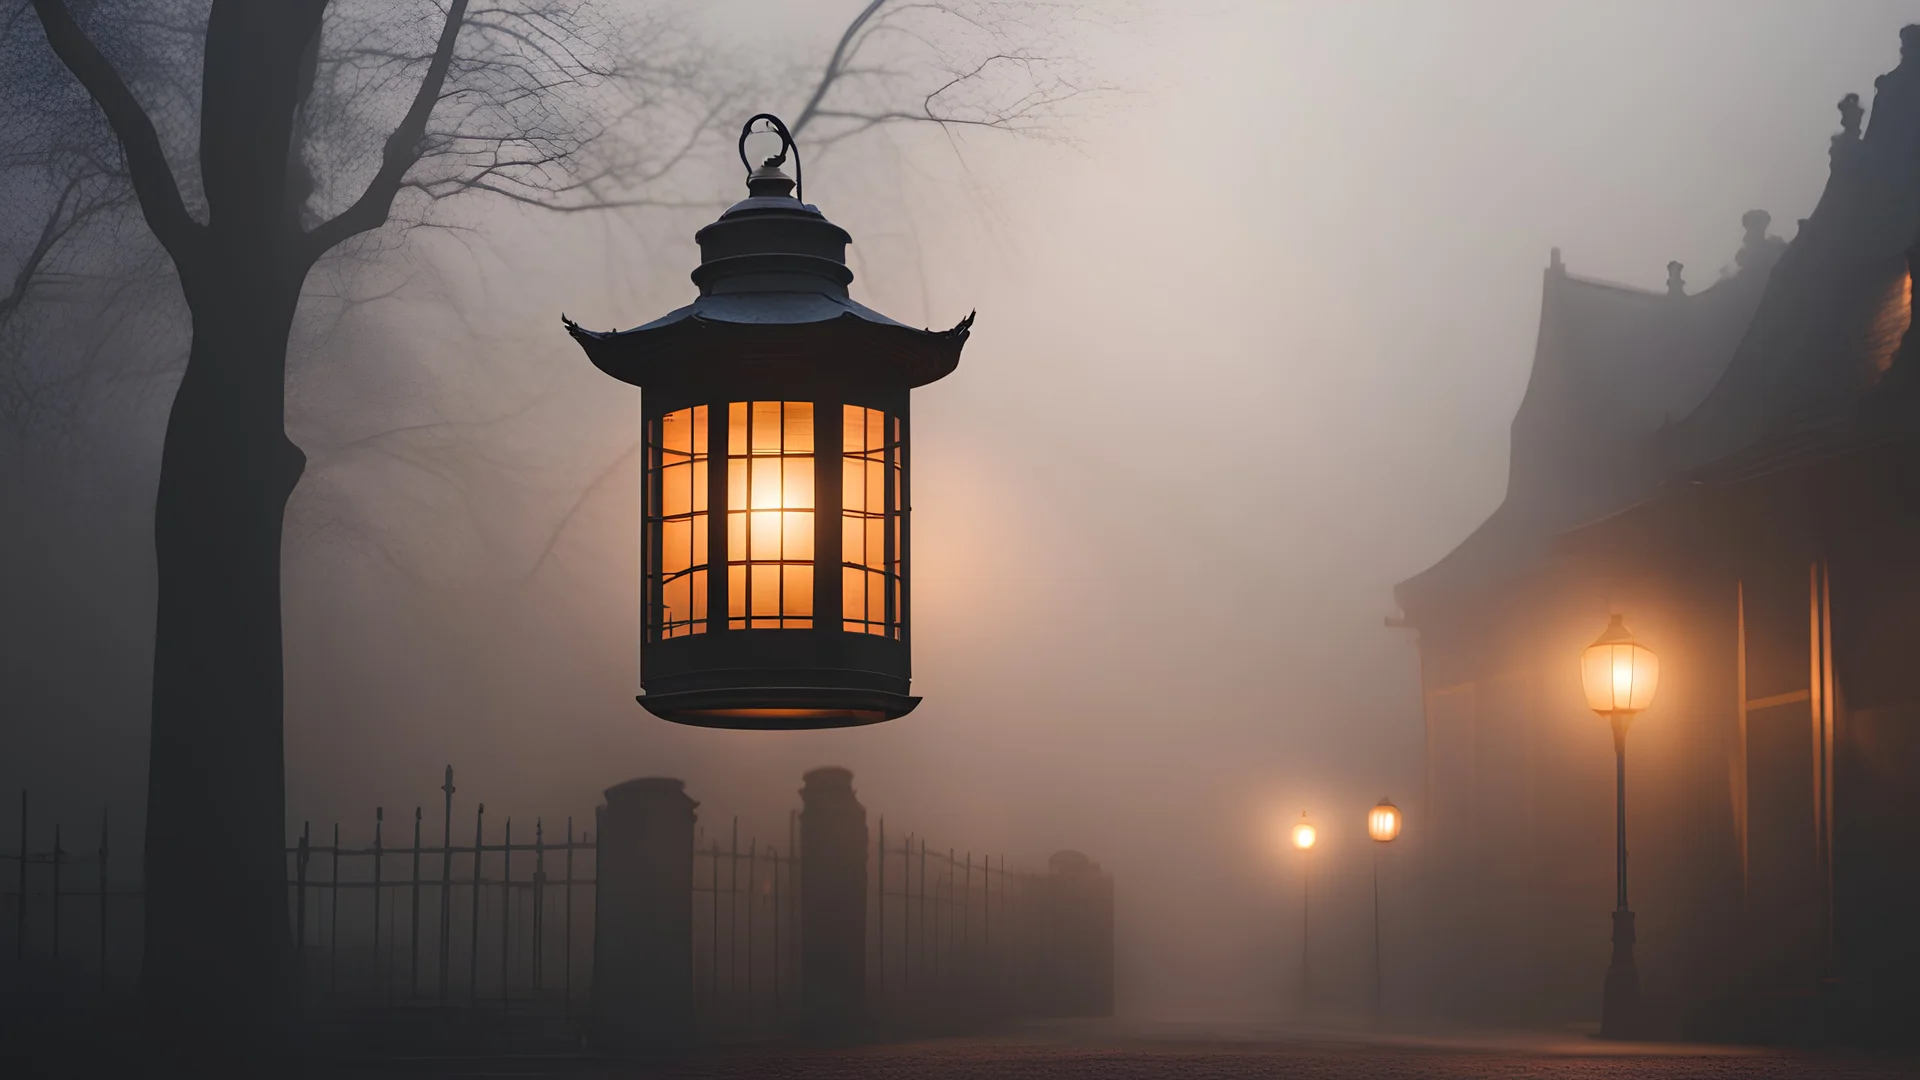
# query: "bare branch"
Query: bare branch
153,180
402,152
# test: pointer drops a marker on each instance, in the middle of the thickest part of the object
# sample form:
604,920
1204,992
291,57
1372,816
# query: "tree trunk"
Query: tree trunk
217,942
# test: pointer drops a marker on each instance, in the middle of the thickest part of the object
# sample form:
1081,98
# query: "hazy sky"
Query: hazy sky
1250,337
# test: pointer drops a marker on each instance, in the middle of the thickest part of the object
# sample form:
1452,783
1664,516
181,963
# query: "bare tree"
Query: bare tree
497,99
319,122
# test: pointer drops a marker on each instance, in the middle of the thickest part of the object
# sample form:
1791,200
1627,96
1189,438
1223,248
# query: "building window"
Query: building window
872,549
770,515
676,524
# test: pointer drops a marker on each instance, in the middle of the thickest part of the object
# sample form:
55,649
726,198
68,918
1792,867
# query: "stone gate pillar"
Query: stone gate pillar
833,901
1080,936
643,916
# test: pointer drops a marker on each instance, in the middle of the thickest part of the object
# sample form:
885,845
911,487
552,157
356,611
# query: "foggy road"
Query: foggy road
1209,1053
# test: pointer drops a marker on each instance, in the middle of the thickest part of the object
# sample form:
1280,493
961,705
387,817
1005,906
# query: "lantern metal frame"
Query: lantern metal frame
774,323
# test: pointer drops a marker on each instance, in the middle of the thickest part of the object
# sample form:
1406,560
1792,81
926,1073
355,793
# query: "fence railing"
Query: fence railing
746,933
948,930
507,920
60,871
453,923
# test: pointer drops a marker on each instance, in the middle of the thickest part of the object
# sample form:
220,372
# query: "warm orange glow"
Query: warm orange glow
1618,673
677,467
871,546
1383,821
770,507
772,718
1304,834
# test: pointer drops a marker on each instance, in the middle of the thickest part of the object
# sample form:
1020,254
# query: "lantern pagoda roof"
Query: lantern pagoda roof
773,280
790,324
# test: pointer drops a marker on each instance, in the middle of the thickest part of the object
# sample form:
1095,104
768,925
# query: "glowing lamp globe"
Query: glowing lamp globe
1383,821
775,474
1304,834
1618,673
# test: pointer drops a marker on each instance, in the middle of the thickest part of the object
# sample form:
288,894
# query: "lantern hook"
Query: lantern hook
786,143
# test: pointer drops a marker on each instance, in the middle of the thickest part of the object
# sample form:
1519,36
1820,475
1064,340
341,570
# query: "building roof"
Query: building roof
1612,365
1807,349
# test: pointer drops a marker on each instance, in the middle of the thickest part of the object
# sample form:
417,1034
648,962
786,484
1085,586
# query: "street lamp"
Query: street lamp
775,476
1304,835
1619,676
1383,825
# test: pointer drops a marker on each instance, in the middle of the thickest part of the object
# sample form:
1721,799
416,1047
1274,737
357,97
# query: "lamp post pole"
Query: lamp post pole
1304,835
1620,1004
1379,1007
1306,916
1619,676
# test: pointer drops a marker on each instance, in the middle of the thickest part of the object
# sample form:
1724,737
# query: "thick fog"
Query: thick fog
1256,304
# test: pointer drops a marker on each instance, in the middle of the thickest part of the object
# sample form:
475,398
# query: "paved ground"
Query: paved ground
1204,1052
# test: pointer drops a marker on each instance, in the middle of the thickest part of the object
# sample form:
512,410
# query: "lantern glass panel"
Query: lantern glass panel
872,550
1383,822
770,508
676,524
1619,676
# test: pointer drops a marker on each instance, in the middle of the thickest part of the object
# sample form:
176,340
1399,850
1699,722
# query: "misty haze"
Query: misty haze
1150,598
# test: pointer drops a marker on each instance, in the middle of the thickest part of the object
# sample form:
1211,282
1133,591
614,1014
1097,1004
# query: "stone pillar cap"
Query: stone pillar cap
651,789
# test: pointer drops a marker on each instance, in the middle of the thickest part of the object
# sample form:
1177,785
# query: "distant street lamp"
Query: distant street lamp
1383,825
1304,835
775,474
1619,675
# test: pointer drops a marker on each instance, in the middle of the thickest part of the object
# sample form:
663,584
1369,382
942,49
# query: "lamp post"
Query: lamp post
775,476
1304,835
1619,676
1383,825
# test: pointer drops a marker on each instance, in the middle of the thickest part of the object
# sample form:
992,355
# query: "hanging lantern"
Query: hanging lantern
1383,821
775,475
1304,834
1618,673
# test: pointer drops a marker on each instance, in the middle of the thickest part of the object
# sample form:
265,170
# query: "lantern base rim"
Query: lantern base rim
778,708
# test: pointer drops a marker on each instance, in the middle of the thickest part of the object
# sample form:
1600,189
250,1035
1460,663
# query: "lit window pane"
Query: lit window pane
799,427
676,546
797,596
796,484
765,584
737,484
853,592
676,525
853,485
852,540
676,433
676,490
770,527
766,427
763,539
876,485
853,429
796,540
677,595
876,429
876,597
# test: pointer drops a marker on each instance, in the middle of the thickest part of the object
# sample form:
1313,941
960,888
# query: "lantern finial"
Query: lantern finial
768,179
